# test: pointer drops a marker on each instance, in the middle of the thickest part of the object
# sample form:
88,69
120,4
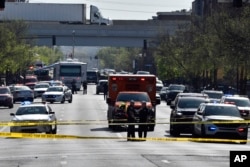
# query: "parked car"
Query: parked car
35,113
22,93
57,94
99,86
209,117
40,88
6,98
184,112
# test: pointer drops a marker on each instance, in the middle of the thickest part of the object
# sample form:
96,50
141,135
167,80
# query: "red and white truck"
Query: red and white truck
122,88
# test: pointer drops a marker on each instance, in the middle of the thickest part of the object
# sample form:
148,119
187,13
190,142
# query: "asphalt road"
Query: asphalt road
99,152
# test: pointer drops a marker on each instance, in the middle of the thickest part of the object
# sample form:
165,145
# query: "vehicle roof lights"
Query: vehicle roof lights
24,103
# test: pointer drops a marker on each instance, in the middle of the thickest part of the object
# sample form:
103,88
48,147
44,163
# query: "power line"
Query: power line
122,10
126,3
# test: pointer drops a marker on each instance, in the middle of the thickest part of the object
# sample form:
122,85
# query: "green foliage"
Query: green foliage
16,52
220,41
118,58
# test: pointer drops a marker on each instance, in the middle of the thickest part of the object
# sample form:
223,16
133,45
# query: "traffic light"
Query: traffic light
2,4
145,44
53,40
237,3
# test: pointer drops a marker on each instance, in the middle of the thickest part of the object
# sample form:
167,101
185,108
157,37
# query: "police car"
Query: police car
34,113
242,102
217,120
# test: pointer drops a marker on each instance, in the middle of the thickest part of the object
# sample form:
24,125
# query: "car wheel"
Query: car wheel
151,127
11,106
70,100
174,131
203,131
194,134
110,126
54,130
244,140
63,100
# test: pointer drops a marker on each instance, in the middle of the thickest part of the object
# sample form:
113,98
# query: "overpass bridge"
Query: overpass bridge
121,34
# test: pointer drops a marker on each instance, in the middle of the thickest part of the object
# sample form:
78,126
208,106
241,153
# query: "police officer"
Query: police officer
84,85
131,121
73,86
105,90
143,120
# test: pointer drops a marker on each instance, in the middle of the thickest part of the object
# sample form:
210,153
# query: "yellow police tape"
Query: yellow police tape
112,122
57,136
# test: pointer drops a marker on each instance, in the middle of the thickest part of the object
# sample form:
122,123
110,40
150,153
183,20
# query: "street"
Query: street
92,110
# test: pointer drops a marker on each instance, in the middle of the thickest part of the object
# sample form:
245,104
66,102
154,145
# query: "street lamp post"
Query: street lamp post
73,48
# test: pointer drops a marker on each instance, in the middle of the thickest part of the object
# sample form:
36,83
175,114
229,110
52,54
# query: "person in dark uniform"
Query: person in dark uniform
131,120
84,85
73,86
143,120
105,90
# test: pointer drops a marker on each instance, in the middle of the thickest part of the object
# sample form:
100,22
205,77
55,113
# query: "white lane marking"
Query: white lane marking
165,161
63,162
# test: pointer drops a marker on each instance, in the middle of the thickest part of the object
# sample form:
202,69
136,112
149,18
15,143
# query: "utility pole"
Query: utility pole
144,53
73,48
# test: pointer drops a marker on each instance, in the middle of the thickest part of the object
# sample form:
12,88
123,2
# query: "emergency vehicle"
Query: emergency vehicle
122,88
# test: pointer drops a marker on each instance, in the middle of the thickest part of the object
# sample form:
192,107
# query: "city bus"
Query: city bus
69,70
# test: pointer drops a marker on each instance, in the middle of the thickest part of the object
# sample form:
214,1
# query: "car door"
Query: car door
67,93
198,117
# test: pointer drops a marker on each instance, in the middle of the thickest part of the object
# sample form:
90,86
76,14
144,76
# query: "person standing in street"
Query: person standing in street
73,86
131,121
143,121
105,90
84,85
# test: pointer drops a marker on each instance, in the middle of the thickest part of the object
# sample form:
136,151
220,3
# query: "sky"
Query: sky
129,9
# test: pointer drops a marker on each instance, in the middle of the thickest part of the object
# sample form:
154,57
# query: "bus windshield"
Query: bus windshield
72,71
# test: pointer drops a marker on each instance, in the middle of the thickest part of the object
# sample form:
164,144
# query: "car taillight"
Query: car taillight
244,112
241,129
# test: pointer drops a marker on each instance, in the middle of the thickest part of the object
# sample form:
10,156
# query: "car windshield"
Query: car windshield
221,110
4,91
102,83
164,89
55,89
22,88
133,96
42,86
239,102
31,80
214,95
31,110
190,103
176,87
